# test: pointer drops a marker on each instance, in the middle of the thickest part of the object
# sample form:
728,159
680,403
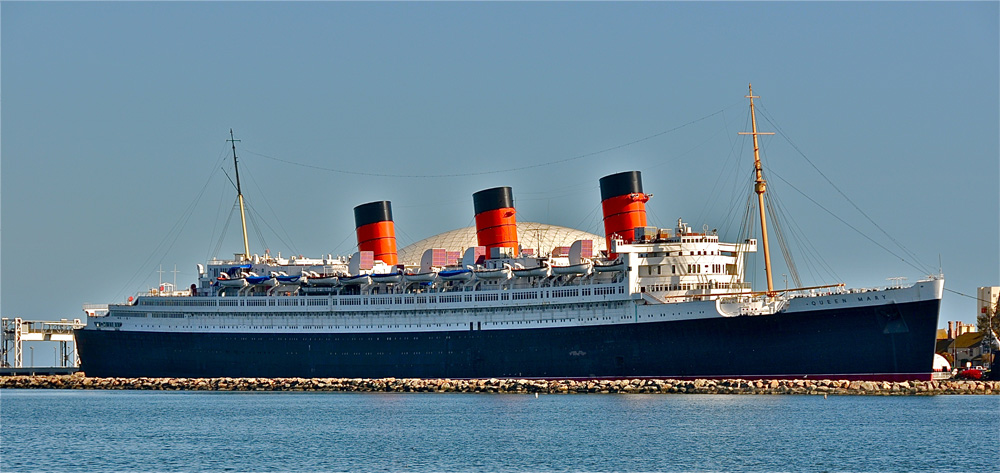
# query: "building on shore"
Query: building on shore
963,346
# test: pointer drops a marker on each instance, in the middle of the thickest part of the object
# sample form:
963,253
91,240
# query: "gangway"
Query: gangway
16,331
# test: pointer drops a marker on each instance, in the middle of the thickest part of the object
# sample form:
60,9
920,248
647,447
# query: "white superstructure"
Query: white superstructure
682,276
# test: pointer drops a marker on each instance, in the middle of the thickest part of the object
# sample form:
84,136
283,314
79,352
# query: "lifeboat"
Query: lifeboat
287,280
539,272
226,282
387,278
356,280
420,277
455,275
582,268
502,273
263,281
321,281
609,268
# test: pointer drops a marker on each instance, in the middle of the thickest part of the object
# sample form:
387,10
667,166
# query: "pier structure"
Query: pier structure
16,331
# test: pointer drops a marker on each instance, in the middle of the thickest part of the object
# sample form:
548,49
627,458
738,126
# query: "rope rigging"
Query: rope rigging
774,207
922,267
779,217
172,235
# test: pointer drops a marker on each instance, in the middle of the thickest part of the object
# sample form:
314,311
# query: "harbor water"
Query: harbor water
74,430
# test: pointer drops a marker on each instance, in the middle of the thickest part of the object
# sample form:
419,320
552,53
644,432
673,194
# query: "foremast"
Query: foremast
760,187
239,196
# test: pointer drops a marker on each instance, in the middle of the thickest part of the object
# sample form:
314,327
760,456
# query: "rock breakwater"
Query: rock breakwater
523,386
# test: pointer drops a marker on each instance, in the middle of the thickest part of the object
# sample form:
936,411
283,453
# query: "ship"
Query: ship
656,303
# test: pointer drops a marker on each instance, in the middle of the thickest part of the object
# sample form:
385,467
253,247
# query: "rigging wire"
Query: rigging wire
263,196
746,232
650,210
786,253
589,217
781,217
987,301
499,171
809,251
225,229
253,215
773,206
174,231
215,227
592,222
729,167
409,239
923,270
777,128
728,222
739,192
337,248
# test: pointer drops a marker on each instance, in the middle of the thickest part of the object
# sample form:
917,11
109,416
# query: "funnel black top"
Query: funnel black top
623,183
372,212
492,199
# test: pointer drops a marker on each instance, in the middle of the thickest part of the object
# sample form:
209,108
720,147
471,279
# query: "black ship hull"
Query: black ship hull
890,342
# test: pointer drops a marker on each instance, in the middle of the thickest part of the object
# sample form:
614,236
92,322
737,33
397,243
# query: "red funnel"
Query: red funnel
496,225
624,206
376,232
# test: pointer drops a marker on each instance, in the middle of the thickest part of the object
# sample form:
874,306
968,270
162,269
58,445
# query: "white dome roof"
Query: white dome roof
539,236
941,363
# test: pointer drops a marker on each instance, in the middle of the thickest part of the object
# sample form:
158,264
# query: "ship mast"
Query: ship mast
239,196
760,187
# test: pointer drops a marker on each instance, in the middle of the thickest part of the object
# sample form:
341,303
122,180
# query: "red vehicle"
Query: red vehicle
971,373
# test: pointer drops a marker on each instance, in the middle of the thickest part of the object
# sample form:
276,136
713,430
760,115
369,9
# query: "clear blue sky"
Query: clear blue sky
115,116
